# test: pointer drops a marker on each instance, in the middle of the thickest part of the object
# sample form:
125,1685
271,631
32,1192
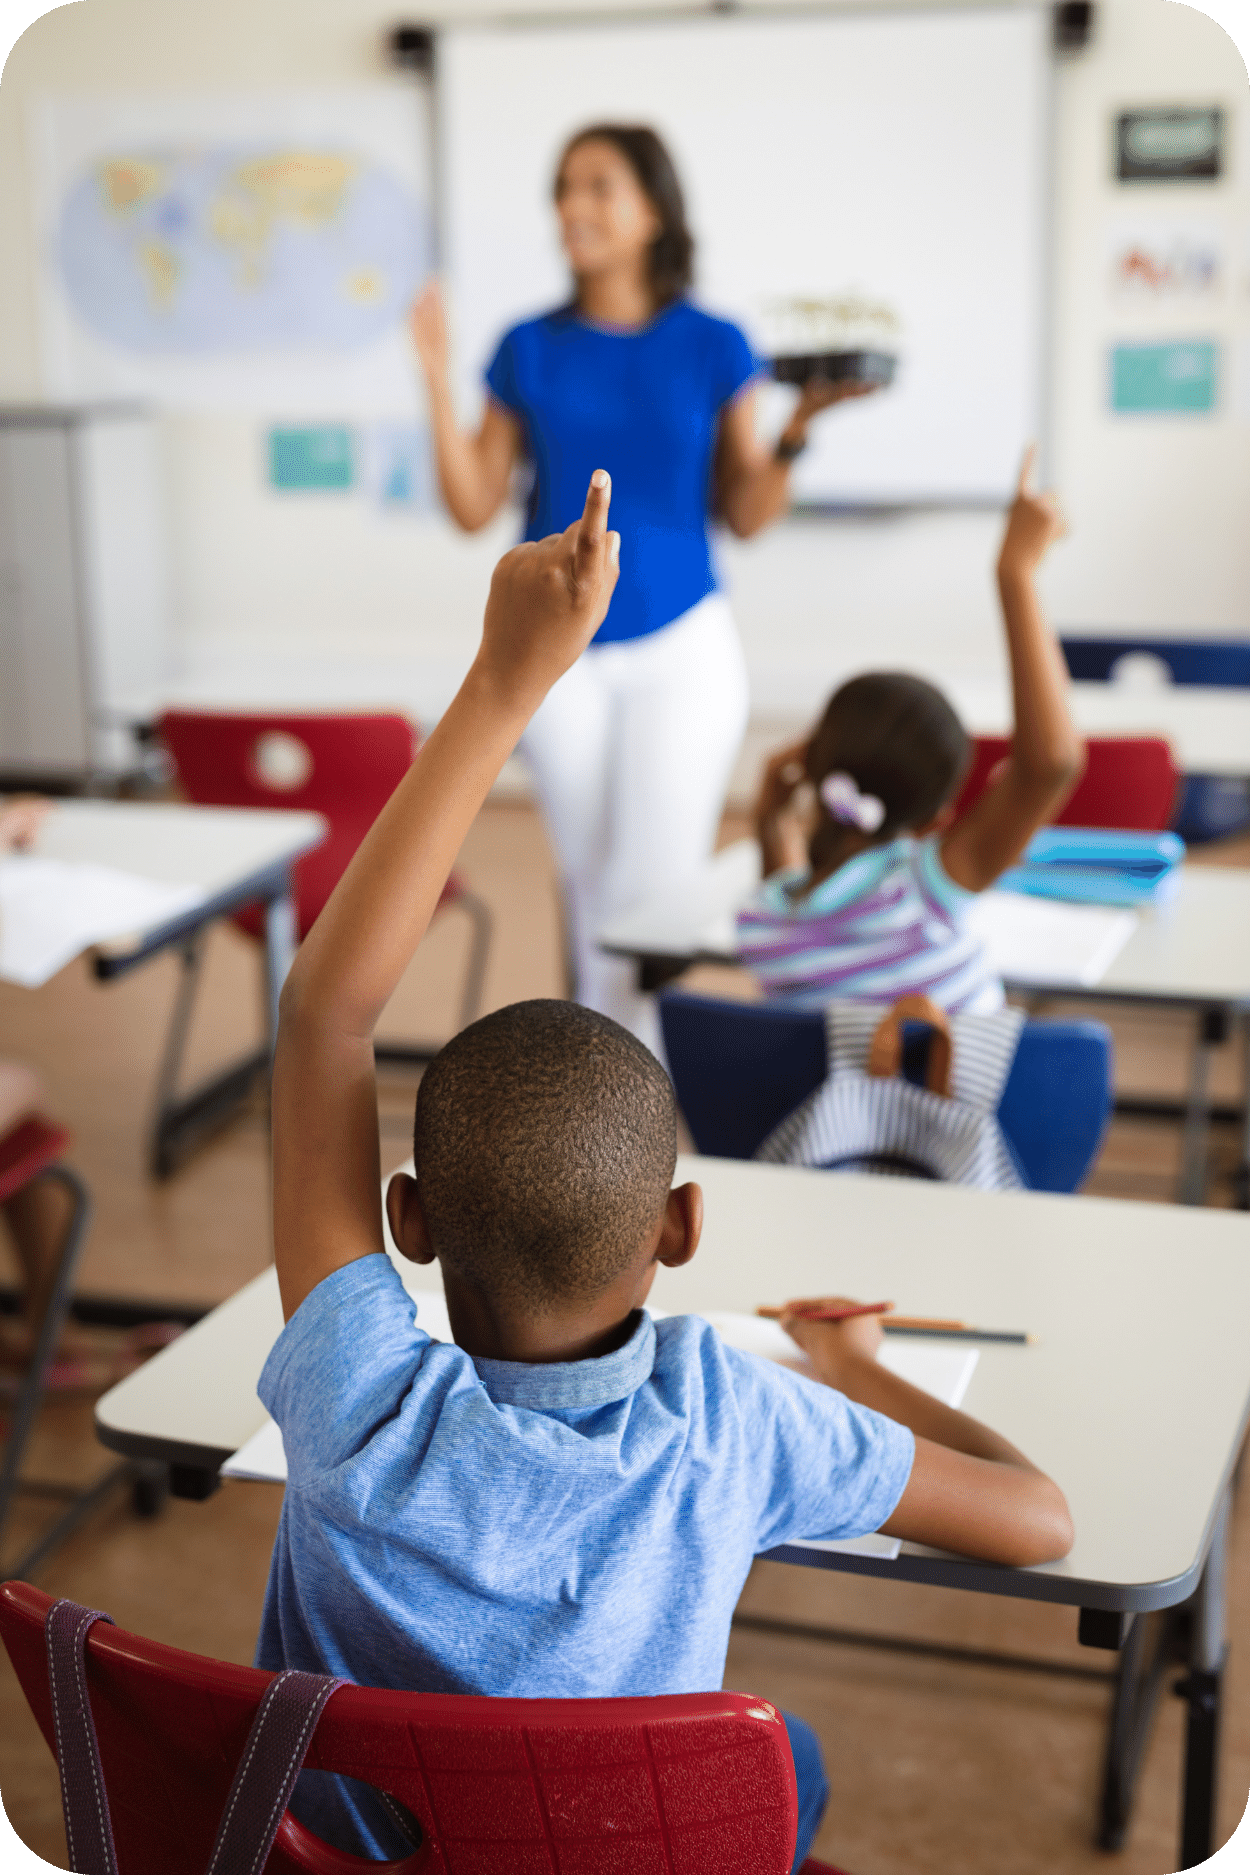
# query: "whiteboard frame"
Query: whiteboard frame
549,19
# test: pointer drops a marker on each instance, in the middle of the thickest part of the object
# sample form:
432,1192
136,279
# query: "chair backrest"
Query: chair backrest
1212,661
1129,781
26,1150
680,1782
344,767
740,1068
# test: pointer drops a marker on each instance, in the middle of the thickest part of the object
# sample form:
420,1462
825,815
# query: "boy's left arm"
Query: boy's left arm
547,599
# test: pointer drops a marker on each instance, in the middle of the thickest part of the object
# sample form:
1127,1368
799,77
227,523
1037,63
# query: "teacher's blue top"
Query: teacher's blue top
644,405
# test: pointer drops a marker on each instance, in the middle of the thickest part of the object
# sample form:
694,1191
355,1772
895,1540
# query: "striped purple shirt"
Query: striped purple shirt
888,924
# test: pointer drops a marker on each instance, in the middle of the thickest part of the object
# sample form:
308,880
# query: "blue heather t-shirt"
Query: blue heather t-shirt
644,405
577,1529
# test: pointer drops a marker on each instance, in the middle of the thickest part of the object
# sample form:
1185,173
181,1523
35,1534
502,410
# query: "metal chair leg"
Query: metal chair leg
31,1391
479,951
417,1055
191,956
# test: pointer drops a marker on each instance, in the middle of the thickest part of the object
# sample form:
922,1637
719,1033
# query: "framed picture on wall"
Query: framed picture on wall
1174,145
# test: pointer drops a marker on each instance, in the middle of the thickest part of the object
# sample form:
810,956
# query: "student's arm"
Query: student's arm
1047,755
752,486
970,1490
473,471
546,601
778,829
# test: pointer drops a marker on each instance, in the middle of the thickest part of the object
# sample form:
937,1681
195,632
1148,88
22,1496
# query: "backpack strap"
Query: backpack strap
88,1827
282,1731
885,1052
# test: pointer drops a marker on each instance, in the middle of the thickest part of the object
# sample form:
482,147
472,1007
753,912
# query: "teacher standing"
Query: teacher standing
633,748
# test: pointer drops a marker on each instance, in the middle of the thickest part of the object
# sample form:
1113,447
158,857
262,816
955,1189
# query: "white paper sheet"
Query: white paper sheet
940,1369
1041,941
50,910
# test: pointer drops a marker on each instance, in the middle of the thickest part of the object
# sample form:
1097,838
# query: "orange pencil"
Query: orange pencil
830,1315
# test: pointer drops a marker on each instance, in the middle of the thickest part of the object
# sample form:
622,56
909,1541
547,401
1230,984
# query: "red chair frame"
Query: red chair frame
28,1151
356,761
679,1782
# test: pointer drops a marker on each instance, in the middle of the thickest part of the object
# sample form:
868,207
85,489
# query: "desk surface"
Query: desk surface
1193,947
213,848
1135,1398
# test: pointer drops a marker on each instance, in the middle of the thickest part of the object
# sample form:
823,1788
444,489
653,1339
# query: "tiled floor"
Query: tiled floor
936,1763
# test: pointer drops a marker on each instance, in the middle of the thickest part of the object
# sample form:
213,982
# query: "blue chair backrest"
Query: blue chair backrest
1215,661
740,1068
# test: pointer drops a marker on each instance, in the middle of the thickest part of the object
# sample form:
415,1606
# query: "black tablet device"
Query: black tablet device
862,367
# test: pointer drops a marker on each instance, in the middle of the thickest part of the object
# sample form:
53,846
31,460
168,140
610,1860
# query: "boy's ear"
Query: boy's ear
407,1220
682,1226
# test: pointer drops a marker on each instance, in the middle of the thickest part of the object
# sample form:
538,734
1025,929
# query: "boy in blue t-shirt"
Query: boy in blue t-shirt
566,1500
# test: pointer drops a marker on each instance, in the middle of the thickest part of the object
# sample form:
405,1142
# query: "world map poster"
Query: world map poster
249,252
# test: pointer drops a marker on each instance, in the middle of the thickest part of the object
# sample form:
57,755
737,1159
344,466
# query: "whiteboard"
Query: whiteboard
902,157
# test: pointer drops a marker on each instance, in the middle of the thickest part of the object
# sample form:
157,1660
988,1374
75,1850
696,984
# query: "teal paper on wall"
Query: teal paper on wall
1178,377
316,458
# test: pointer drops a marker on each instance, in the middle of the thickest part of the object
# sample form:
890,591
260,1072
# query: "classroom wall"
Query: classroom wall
265,581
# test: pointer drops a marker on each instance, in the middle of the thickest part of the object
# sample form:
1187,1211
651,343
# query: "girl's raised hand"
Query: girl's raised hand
548,599
1034,521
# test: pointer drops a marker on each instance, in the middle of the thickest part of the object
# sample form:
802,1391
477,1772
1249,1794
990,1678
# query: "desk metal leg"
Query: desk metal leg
1154,1644
1202,1688
182,1120
1213,1026
1241,1178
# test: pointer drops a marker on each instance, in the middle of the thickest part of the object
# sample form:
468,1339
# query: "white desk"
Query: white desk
239,857
1139,1423
1192,949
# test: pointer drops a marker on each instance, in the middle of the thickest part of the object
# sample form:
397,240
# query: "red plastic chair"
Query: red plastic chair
343,767
1129,781
32,1150
682,1782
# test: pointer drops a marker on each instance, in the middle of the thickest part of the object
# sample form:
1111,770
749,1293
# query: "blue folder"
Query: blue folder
1096,865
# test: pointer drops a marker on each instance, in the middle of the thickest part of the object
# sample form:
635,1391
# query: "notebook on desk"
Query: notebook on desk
1041,941
50,910
944,1371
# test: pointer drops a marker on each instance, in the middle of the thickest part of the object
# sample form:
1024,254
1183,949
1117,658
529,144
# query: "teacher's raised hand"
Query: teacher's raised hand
427,323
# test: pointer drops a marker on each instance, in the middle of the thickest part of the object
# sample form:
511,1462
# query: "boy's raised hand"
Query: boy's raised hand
1034,521
548,599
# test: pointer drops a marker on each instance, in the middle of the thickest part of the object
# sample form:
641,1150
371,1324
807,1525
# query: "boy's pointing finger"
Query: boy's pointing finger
1026,469
592,529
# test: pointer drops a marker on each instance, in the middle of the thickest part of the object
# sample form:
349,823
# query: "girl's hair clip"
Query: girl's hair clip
841,796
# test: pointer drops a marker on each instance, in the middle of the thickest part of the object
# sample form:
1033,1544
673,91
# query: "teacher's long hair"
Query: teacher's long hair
672,251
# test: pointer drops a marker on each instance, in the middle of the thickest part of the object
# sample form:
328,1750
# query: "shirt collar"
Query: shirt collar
854,878
547,1385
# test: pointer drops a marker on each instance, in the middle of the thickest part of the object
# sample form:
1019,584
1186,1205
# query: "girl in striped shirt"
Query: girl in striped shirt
870,901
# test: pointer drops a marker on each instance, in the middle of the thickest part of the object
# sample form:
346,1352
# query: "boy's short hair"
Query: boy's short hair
899,739
545,1141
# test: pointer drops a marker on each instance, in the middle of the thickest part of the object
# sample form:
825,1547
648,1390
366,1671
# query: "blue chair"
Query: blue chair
740,1068
1218,662
1208,807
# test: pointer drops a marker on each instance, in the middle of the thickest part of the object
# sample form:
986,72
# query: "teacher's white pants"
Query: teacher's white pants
632,752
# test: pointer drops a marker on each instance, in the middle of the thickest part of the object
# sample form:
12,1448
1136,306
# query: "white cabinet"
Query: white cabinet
83,589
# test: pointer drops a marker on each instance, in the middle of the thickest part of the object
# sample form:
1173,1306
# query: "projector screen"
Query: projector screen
897,161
